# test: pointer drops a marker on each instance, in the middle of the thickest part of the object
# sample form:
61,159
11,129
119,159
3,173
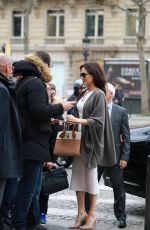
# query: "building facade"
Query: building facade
59,27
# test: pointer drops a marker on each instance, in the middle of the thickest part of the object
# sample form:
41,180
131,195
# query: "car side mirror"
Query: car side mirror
147,143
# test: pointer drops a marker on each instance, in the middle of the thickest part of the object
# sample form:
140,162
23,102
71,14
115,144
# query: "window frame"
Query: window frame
126,14
18,13
97,13
57,15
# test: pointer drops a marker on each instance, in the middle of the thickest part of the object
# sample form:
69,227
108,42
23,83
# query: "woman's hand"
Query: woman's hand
71,119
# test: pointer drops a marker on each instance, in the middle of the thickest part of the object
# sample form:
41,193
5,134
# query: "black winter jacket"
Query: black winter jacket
10,132
35,115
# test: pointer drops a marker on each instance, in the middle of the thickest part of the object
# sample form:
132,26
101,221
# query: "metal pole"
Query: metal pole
85,54
147,201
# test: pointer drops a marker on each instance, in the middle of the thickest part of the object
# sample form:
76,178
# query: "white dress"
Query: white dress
83,178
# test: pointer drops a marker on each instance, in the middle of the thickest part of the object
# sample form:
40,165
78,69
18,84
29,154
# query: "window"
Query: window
94,23
18,24
55,23
132,23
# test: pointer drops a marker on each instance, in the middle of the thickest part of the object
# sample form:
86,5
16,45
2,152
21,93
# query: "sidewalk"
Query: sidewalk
138,120
99,226
106,224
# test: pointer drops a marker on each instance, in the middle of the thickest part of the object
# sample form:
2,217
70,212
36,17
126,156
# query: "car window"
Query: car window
148,132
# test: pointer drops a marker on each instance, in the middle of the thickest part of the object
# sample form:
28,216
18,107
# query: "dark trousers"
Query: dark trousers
116,177
34,210
43,202
44,198
28,191
2,188
7,203
33,216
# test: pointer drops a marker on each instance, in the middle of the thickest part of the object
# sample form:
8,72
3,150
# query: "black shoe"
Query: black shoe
40,227
122,224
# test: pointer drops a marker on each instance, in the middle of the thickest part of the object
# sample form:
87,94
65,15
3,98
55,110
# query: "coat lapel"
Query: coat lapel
91,96
113,114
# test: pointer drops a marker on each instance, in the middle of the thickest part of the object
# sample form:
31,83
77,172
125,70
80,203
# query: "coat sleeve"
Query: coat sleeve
125,131
97,117
4,111
96,124
37,102
94,149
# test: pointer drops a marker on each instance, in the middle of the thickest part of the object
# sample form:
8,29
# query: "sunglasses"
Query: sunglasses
83,75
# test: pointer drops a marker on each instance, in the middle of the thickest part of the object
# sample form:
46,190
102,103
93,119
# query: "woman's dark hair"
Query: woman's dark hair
44,56
96,71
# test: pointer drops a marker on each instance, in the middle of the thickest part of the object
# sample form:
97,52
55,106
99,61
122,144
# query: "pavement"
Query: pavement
62,217
99,226
138,120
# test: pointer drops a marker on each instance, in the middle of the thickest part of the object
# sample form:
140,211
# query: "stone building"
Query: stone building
59,27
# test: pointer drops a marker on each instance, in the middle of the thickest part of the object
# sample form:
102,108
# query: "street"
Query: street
62,210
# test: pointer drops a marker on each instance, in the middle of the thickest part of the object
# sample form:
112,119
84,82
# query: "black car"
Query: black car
135,173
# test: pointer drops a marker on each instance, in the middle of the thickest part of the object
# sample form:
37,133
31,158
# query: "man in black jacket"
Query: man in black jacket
10,142
77,90
121,133
35,114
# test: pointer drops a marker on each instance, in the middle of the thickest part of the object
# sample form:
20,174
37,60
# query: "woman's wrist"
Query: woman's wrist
82,121
79,121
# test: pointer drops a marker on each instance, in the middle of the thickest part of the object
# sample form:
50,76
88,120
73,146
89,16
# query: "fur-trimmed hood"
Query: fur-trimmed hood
41,66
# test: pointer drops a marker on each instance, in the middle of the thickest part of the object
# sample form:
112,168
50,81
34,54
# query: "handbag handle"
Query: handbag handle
66,127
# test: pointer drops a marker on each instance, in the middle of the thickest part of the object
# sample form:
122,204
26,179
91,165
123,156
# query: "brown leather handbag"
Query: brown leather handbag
68,142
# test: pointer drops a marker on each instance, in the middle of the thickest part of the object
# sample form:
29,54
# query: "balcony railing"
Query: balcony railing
50,40
17,40
96,41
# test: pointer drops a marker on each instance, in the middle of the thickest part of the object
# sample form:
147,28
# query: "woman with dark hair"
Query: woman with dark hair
97,146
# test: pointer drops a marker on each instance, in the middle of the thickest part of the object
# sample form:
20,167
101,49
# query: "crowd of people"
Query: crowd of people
27,138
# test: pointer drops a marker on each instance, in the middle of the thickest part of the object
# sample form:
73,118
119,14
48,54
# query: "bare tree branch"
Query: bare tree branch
125,10
137,2
121,8
146,1
141,11
128,10
141,2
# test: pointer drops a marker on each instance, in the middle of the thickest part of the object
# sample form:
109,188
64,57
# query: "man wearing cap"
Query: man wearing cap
121,133
77,90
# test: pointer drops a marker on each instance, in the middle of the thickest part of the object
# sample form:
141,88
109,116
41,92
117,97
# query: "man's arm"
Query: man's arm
125,131
37,105
4,104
